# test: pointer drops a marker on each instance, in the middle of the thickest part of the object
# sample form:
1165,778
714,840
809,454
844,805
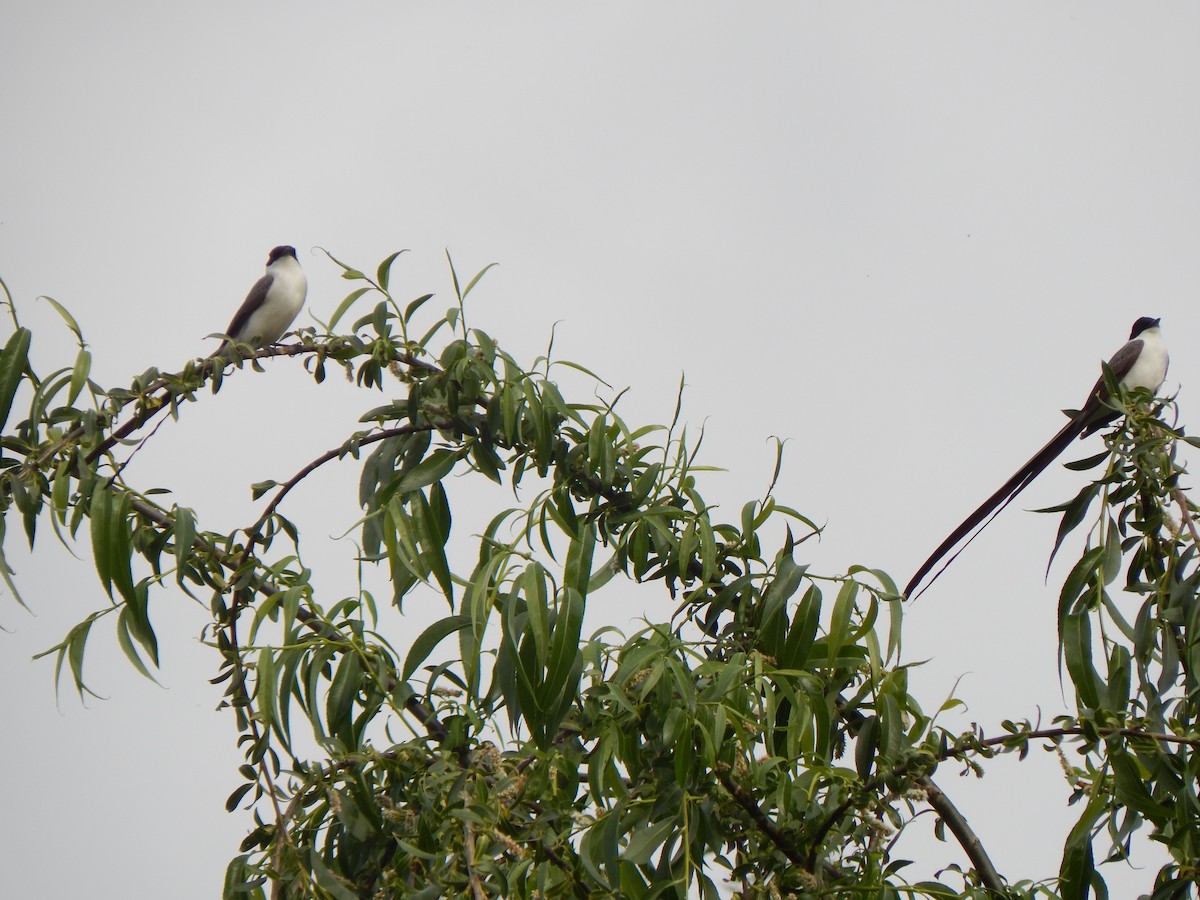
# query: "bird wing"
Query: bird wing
1098,412
254,299
1124,358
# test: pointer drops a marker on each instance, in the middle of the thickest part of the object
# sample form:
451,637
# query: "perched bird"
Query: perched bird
272,304
1141,363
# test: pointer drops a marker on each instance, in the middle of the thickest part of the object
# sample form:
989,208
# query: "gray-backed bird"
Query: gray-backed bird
272,304
1141,363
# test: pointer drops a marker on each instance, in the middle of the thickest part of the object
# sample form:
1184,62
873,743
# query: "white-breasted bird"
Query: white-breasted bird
272,304
1141,363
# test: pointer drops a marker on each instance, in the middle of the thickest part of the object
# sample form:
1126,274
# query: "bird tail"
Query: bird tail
995,504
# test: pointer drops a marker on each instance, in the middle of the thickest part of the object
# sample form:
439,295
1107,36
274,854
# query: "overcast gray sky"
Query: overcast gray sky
901,236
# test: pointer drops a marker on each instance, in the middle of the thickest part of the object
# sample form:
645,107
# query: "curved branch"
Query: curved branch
777,837
422,713
1185,514
208,366
966,836
328,456
1074,731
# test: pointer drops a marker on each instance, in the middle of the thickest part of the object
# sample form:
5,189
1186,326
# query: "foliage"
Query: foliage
763,733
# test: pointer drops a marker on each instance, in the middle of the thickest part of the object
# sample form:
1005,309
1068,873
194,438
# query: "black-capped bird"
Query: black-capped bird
1141,363
272,304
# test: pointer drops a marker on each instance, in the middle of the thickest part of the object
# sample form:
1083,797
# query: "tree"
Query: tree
763,732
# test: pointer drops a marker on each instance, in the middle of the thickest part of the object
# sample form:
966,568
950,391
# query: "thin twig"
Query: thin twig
469,858
1185,514
336,453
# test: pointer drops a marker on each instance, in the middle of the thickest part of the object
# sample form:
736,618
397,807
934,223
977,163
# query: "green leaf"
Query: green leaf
101,514
474,281
433,468
1073,513
185,536
264,688
345,305
1078,865
83,367
433,523
411,309
137,606
340,699
865,746
13,360
6,571
646,839
232,801
803,631
564,642
66,316
1077,651
1082,465
124,624
76,642
533,583
428,639
839,623
577,572
261,487
383,274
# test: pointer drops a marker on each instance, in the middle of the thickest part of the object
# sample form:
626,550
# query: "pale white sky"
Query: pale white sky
900,236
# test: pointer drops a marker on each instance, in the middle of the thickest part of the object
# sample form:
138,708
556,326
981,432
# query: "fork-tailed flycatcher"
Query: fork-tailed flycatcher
1141,363
272,304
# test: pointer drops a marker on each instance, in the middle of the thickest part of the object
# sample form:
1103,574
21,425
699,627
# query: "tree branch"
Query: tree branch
769,828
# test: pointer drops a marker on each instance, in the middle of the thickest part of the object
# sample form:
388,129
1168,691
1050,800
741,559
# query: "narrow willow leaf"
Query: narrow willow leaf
83,367
344,306
13,360
865,746
6,571
1077,652
339,701
1082,465
534,588
1111,567
839,624
185,537
124,623
564,645
383,273
428,640
101,513
1078,865
1073,513
433,468
66,316
137,605
474,281
577,572
75,644
646,839
232,801
265,688
434,530
411,309
803,631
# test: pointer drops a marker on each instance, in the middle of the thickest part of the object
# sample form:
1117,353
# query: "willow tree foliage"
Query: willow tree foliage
757,738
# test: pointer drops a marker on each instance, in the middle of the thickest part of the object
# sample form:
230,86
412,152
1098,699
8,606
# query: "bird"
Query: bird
1141,363
272,304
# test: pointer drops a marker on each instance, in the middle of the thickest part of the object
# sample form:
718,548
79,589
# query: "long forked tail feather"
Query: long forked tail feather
995,504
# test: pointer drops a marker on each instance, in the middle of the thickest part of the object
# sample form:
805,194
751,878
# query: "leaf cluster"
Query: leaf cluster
755,730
